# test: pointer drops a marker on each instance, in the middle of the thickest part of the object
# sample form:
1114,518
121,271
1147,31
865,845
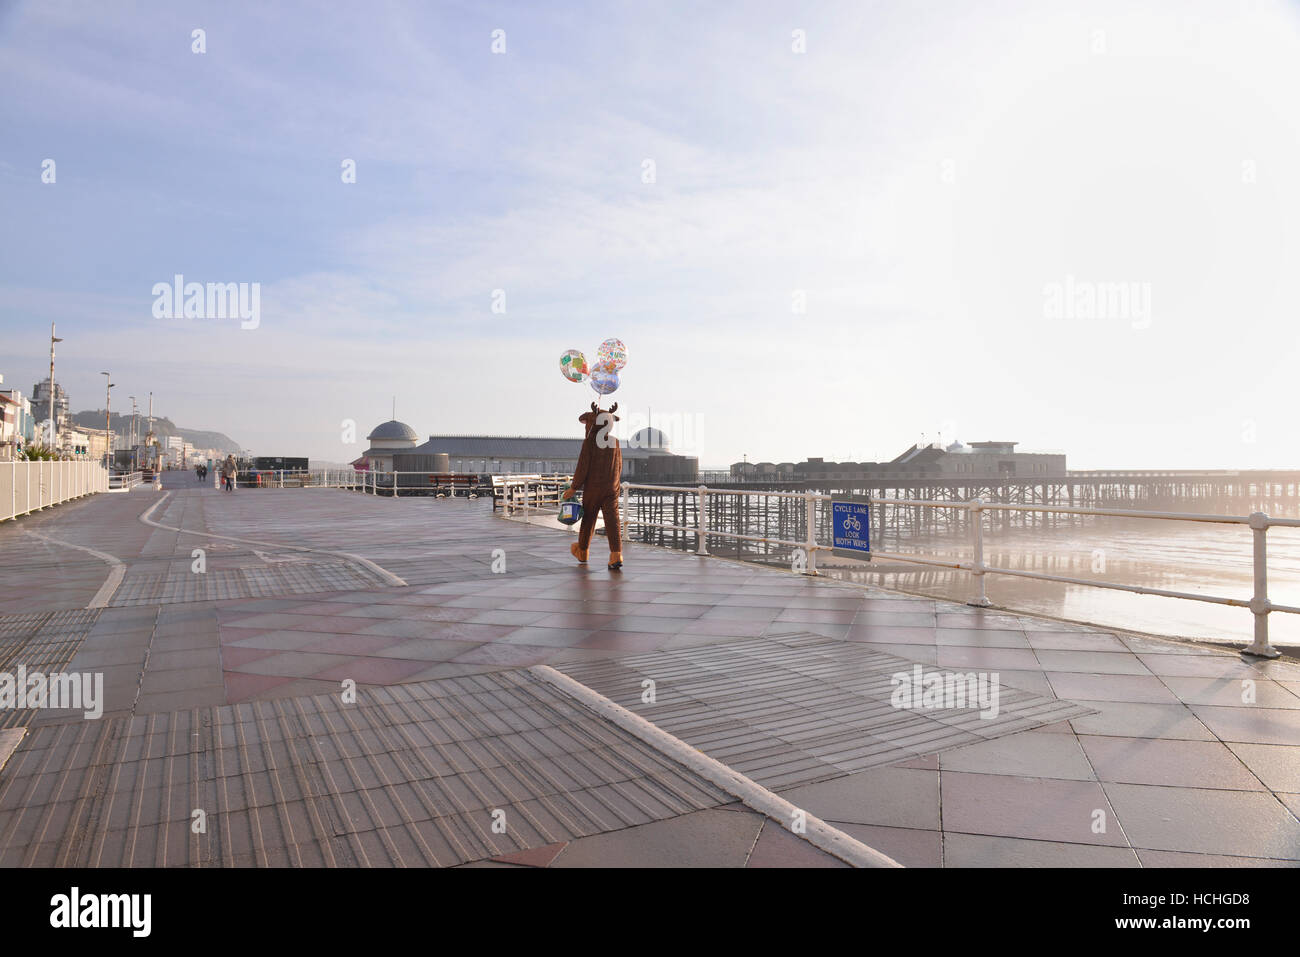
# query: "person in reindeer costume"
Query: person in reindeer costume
598,476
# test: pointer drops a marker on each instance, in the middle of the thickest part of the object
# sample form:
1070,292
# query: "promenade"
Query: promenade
313,677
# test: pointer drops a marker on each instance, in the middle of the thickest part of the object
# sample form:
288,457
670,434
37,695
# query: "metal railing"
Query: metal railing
30,486
124,481
398,484
532,493
1259,523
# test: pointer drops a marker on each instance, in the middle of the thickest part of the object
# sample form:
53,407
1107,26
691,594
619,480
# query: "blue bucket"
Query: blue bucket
570,512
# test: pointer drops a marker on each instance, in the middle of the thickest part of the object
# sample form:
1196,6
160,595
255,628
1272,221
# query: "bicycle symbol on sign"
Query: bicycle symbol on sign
851,522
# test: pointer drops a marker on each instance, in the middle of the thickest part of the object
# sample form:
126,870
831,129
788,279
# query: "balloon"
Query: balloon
614,352
574,366
604,380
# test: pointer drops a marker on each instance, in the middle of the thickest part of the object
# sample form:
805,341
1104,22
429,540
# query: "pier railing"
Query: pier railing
503,488
809,545
30,486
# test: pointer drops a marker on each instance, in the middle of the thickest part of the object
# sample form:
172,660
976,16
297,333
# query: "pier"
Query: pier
345,679
1276,492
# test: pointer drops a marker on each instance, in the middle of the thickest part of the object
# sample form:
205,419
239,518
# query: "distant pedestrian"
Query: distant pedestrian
228,473
198,473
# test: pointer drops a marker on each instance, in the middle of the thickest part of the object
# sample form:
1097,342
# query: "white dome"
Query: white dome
649,438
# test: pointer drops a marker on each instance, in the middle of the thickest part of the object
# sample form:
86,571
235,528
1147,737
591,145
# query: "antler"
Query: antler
613,408
594,407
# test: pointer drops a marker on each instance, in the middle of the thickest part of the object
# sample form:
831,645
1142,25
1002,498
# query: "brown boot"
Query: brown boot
579,553
615,561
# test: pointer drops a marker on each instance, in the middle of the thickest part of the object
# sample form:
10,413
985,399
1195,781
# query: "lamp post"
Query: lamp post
130,439
52,436
108,426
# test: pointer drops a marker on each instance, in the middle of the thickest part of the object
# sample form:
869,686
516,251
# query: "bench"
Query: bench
452,483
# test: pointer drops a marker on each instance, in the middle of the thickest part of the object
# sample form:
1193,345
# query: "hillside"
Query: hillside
162,427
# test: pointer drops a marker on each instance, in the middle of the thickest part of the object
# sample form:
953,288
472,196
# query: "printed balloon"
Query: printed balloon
613,352
574,366
604,380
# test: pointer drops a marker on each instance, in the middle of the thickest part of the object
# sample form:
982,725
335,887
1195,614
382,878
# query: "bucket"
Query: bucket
570,512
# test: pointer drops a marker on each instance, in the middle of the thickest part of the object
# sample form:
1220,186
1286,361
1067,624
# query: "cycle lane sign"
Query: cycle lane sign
851,528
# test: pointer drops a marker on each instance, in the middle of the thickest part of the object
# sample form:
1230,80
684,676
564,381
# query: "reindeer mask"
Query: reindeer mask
597,418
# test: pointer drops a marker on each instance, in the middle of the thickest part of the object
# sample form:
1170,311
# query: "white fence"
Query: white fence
29,486
1259,524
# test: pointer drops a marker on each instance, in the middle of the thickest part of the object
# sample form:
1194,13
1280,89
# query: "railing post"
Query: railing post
1259,605
810,537
701,548
622,515
974,511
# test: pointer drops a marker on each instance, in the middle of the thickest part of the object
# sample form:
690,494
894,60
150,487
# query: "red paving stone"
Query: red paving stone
245,687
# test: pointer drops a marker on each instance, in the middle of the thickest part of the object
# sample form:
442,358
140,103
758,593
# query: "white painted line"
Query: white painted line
817,832
116,572
379,570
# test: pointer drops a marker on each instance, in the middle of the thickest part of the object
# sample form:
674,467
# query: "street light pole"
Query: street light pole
52,436
108,426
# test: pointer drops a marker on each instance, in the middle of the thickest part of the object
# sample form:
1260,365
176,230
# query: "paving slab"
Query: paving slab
288,616
1232,823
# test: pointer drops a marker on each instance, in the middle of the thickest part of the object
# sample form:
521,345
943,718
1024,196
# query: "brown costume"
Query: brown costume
597,475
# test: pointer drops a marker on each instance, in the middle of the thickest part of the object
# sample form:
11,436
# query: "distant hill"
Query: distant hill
162,427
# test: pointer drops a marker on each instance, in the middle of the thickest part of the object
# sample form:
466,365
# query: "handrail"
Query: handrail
1258,522
122,481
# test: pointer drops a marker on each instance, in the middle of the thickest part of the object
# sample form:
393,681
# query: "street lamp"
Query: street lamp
108,426
52,436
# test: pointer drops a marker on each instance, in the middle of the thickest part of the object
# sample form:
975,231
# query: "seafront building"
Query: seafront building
41,403
17,424
395,447
972,460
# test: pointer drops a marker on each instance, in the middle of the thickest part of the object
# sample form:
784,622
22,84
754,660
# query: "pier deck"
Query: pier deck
222,691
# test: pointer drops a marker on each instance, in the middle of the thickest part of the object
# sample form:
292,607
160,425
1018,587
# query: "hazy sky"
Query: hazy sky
942,186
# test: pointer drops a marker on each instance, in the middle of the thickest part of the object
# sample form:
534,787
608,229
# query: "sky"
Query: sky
821,229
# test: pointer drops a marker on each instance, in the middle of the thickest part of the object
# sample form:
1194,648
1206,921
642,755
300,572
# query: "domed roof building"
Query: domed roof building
385,439
393,431
395,447
650,439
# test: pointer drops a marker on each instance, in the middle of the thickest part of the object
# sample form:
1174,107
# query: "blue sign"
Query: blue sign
851,528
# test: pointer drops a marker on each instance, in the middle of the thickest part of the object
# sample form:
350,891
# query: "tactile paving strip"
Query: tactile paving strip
410,775
43,642
795,709
302,578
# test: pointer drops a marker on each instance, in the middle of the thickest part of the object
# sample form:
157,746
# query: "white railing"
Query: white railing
124,481
30,486
390,484
397,484
1259,523
526,494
